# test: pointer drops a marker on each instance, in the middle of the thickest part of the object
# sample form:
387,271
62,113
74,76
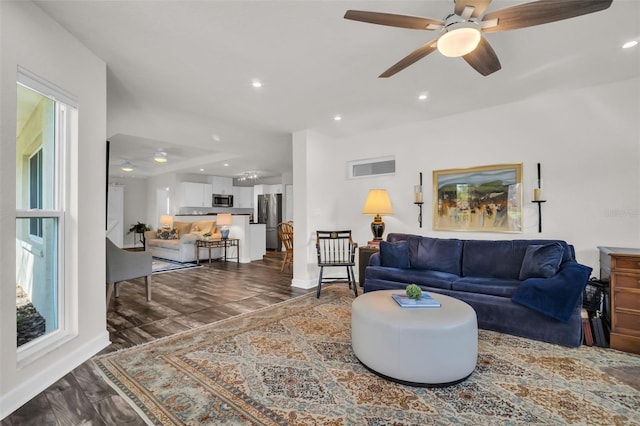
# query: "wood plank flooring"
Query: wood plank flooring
181,300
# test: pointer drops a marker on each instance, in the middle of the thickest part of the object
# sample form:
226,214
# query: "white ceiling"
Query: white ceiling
179,73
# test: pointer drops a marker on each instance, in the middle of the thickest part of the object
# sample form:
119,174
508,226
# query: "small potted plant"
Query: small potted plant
139,229
414,292
206,236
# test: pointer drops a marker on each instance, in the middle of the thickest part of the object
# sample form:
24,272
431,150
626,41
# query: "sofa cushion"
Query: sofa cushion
480,258
394,255
435,254
541,261
182,227
492,259
503,287
168,234
203,226
434,279
169,244
555,297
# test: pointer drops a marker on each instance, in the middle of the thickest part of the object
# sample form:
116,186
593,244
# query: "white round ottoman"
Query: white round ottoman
415,346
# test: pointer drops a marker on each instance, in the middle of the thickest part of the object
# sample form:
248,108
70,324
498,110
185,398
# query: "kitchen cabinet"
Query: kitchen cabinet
243,196
194,194
221,185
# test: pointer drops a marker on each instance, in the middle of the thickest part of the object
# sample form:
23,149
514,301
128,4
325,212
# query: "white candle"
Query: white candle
417,194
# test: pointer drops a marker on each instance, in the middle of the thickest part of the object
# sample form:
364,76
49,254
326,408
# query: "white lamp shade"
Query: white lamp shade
459,41
224,219
377,203
166,221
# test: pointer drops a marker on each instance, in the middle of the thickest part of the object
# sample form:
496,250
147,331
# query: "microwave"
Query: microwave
222,200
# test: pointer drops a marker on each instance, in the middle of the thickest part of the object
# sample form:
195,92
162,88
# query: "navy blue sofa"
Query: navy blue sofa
527,288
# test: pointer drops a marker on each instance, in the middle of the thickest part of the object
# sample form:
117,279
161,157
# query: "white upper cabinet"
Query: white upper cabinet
243,196
221,185
195,194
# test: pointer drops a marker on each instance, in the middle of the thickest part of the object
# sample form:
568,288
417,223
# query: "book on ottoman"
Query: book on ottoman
425,301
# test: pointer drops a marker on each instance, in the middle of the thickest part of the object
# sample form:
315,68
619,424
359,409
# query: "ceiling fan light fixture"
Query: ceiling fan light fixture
459,39
160,156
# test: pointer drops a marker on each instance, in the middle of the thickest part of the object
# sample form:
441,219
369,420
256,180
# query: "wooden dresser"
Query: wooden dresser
621,266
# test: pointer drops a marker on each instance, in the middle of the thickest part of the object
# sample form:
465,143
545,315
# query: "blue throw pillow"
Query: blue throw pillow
394,255
541,261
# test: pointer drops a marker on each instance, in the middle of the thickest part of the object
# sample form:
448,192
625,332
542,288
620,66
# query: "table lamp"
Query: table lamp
166,220
224,219
377,204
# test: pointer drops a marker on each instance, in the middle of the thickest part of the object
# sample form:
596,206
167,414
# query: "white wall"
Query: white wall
135,205
30,39
587,141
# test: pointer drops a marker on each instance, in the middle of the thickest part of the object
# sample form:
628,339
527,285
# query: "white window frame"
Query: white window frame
65,113
353,163
39,152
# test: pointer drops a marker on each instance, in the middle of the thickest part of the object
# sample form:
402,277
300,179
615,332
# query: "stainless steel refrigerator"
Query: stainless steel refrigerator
270,213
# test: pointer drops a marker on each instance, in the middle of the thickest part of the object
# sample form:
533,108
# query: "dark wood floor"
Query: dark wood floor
181,300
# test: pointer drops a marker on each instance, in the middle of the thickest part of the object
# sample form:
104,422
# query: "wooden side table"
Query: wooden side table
223,243
364,253
624,290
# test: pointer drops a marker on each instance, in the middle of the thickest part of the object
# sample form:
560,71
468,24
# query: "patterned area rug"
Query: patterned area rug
292,364
158,266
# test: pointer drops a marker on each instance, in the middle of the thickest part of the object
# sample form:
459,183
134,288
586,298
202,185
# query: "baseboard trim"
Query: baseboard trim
305,284
33,385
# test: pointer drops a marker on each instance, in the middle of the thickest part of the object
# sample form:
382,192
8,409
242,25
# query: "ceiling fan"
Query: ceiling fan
461,33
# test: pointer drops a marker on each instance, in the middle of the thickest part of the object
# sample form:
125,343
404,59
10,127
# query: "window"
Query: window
371,167
43,128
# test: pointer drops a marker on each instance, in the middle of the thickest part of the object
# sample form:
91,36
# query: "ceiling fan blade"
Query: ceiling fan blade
402,21
483,58
542,12
479,6
411,58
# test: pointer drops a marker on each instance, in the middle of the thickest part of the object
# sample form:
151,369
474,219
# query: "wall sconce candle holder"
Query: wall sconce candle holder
537,198
418,200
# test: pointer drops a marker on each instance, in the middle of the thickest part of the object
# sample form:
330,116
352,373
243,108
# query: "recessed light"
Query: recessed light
160,156
629,44
422,97
126,167
256,83
226,164
337,117
202,170
215,137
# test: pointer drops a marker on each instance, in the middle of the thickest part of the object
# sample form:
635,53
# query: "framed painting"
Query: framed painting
486,198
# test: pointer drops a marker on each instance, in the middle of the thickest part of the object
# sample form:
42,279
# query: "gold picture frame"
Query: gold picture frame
485,199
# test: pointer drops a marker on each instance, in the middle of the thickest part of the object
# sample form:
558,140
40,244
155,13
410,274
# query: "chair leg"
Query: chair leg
147,283
353,280
109,293
319,283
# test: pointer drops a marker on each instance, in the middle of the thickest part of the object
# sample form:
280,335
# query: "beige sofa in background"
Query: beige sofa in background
183,248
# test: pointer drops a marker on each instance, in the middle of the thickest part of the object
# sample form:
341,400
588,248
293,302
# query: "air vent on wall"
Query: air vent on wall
371,167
